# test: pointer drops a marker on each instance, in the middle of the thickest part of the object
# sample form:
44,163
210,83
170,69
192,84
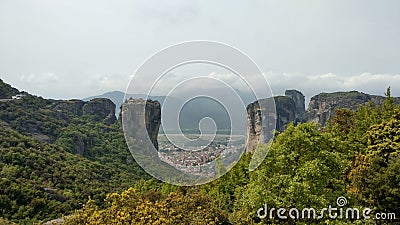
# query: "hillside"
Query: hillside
6,91
55,154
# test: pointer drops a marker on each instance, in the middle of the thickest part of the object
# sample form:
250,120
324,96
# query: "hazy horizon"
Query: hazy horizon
74,49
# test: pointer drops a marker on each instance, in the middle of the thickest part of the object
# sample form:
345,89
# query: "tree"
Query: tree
343,119
303,168
132,207
375,176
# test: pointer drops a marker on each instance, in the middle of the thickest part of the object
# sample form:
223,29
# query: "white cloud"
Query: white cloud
53,85
39,78
92,51
61,86
311,85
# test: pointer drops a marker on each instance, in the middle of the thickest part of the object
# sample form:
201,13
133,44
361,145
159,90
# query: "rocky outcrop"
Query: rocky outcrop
57,221
286,112
266,115
101,107
290,108
137,114
299,101
322,107
254,126
69,106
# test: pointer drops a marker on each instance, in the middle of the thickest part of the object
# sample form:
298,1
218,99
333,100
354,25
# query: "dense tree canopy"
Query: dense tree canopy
42,175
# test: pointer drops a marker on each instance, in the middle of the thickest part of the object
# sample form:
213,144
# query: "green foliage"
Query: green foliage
6,222
42,180
131,207
6,91
34,115
375,176
100,143
303,168
343,120
225,189
53,161
351,127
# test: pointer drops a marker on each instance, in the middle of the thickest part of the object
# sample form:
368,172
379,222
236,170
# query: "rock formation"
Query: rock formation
286,112
266,115
290,108
69,106
262,119
135,119
322,107
254,126
299,101
101,107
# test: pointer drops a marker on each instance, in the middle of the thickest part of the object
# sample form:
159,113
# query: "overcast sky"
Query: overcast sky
79,48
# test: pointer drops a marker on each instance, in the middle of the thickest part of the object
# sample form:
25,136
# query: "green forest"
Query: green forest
356,156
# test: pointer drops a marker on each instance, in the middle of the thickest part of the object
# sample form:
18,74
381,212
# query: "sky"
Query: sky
79,48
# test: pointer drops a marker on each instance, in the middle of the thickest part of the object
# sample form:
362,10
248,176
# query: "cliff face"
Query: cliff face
322,107
299,101
262,119
290,108
69,106
102,108
136,120
254,126
285,110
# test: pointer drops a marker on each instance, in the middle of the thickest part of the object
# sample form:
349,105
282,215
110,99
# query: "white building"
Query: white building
19,96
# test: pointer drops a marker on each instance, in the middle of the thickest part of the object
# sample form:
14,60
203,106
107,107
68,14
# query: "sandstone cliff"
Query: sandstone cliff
290,108
322,107
262,119
69,106
103,109
299,101
135,119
